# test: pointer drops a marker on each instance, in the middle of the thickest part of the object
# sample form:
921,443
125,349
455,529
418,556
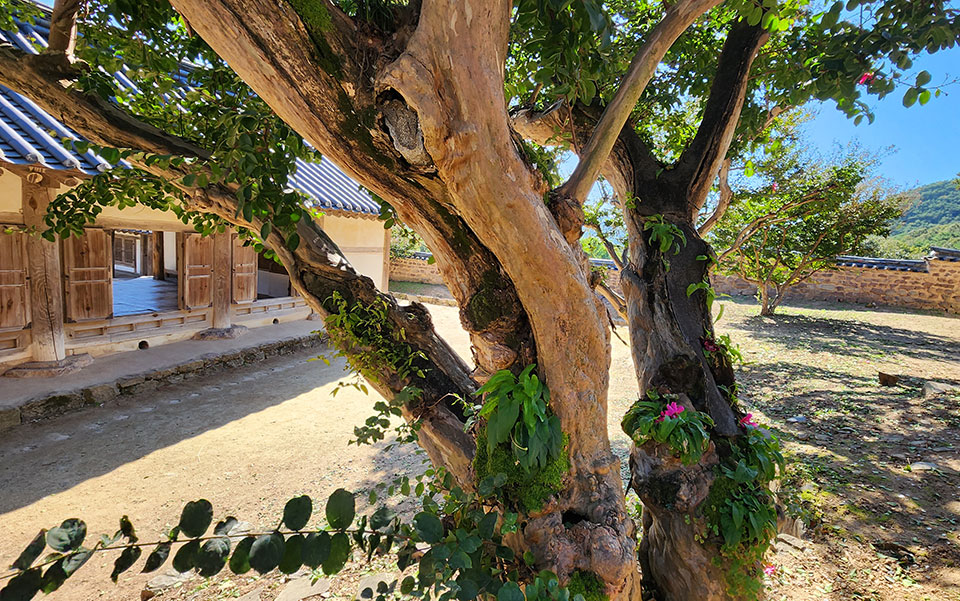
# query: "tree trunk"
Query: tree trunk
667,330
763,292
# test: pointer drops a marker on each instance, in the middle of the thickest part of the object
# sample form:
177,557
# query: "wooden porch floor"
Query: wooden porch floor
133,296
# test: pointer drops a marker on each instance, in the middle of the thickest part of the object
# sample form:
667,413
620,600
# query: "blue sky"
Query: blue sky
926,138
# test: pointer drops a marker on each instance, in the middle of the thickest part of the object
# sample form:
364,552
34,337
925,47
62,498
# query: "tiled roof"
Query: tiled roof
26,139
944,254
890,264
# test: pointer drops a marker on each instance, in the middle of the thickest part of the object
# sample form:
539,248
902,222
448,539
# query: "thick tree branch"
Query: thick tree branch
63,26
616,301
642,68
700,162
723,203
610,248
723,180
45,79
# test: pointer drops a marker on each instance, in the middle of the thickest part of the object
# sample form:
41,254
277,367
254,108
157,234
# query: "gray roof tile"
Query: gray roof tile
30,136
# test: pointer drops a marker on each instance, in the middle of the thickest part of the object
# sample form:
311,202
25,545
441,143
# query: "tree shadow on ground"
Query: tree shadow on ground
846,337
879,461
838,305
73,448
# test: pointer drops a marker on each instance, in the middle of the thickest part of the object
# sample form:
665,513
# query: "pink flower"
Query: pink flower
770,570
672,410
866,78
775,186
710,346
747,420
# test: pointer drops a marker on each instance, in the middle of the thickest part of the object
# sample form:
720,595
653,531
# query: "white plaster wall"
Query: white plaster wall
363,243
10,199
170,252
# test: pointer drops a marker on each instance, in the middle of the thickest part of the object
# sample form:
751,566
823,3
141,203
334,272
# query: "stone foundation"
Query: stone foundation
65,402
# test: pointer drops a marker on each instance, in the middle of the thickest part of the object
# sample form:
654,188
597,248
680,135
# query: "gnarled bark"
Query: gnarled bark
668,327
451,75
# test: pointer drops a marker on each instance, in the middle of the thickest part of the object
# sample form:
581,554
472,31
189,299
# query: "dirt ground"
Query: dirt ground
247,440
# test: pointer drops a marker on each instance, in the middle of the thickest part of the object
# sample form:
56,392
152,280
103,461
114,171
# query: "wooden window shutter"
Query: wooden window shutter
14,306
244,272
88,275
196,271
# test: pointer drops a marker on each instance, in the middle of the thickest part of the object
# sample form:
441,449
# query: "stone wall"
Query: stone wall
414,269
937,287
932,283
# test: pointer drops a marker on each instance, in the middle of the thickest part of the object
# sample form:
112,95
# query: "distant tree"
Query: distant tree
808,213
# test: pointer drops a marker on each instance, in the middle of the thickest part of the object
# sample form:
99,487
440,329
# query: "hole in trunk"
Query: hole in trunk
143,345
571,518
275,321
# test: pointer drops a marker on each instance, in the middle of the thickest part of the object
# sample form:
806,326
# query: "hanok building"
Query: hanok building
137,277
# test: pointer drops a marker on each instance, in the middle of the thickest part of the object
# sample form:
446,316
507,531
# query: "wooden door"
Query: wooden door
195,266
14,307
87,274
244,272
125,251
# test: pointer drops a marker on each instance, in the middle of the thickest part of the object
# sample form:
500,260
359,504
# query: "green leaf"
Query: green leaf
212,556
924,97
196,518
266,552
406,587
156,558
53,578
510,591
428,527
315,550
339,553
240,560
110,155
597,19
923,78
127,558
297,511
265,230
292,554
32,552
341,509
910,97
468,588
68,536
293,241
186,557
487,525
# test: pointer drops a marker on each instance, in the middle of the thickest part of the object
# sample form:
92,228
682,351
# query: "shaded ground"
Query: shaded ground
249,440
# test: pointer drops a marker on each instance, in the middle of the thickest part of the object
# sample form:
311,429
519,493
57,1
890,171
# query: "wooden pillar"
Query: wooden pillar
222,285
159,265
146,254
43,268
